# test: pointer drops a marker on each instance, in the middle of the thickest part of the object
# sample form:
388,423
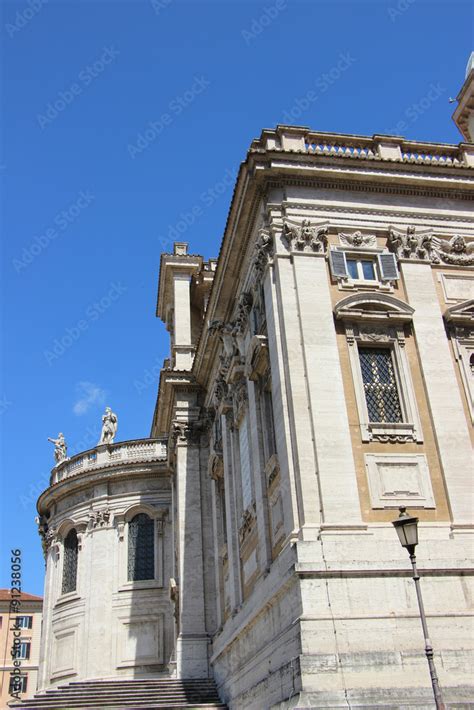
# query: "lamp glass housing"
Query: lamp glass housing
407,529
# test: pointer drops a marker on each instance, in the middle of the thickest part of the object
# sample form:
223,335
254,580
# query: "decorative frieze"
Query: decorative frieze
305,237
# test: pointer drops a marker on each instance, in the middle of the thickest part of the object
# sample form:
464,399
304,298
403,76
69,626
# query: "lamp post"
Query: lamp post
407,530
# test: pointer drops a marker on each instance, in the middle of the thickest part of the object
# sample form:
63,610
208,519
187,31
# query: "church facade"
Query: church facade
320,376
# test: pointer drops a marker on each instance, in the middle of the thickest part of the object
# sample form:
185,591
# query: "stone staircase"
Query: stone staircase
169,693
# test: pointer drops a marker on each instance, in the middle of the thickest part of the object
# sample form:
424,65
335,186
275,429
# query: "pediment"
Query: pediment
461,313
374,307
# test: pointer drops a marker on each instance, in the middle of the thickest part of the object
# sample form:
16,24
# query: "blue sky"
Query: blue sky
124,123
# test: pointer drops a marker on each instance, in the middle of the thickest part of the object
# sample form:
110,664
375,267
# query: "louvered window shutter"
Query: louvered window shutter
337,261
388,267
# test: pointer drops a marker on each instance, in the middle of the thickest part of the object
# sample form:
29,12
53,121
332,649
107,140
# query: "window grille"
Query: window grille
141,548
70,563
380,387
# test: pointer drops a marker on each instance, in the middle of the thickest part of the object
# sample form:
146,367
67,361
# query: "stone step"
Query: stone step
143,694
32,705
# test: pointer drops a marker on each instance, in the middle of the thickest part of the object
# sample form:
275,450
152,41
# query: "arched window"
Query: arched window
70,562
141,548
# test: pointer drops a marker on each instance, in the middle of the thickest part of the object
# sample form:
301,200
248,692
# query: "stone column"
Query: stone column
192,642
442,389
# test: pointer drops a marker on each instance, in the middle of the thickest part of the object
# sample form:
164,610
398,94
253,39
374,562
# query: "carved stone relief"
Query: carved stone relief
357,239
305,237
423,245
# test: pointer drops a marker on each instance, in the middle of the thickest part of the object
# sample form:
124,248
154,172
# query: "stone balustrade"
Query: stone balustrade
379,147
105,455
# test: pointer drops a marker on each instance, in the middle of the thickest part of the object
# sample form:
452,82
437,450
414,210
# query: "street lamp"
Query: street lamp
407,530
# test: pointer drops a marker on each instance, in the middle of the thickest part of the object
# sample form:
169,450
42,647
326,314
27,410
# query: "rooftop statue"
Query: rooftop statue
60,448
109,427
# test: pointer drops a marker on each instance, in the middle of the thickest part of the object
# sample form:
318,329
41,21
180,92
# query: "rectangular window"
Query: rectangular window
18,684
380,386
245,470
377,269
361,269
24,622
23,650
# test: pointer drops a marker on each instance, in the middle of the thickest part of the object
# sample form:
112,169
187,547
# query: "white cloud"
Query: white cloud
88,395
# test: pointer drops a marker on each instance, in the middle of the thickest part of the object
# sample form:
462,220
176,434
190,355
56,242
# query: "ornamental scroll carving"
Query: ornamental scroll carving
305,237
410,244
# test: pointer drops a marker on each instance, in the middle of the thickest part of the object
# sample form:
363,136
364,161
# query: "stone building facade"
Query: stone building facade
20,633
320,376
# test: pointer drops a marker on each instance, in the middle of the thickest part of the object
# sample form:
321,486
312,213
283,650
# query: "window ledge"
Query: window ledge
364,285
65,598
391,432
140,584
